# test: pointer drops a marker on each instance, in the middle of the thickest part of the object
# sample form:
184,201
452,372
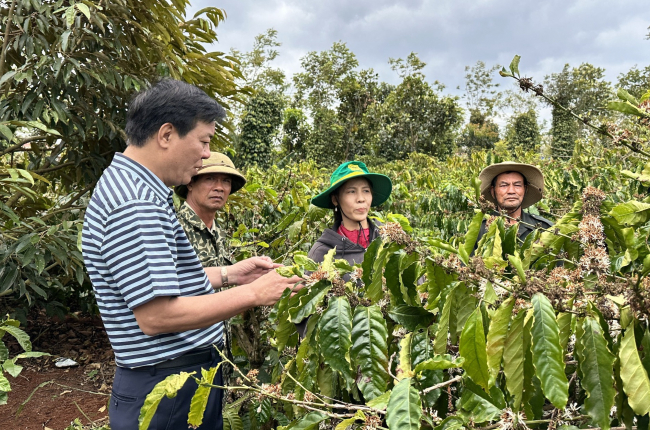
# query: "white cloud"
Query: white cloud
448,34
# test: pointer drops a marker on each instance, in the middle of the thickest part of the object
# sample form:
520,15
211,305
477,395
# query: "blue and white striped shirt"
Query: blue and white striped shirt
135,250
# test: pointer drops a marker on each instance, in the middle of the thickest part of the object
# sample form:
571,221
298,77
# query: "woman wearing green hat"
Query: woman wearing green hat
353,191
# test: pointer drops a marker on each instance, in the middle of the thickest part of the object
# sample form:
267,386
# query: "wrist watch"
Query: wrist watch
224,277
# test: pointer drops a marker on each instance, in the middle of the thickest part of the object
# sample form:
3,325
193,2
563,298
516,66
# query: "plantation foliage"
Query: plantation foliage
433,330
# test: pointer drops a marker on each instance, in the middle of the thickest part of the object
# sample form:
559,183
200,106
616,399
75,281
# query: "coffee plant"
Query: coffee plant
9,365
438,331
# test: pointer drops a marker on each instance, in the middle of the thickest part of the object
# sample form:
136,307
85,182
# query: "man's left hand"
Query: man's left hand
247,271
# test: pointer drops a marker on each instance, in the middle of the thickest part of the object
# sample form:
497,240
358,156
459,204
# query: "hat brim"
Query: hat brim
238,180
382,186
534,178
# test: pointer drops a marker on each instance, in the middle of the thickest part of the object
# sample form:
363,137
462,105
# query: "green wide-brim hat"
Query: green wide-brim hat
381,184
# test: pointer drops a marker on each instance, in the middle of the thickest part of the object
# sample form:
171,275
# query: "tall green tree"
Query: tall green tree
584,90
67,71
636,81
479,133
336,95
414,117
260,123
523,131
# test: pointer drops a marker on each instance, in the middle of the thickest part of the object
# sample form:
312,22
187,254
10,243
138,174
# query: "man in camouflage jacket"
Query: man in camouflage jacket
206,194
513,187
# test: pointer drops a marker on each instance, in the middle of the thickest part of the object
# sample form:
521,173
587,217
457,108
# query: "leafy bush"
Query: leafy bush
9,365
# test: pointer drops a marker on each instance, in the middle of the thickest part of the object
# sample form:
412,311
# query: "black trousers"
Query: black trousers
130,387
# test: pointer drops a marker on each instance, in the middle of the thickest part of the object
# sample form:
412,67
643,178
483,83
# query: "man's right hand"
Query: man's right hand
269,288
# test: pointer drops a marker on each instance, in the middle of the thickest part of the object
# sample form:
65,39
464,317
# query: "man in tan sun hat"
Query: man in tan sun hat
513,187
206,194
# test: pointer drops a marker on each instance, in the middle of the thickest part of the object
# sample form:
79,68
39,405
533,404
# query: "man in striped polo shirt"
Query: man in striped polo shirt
157,303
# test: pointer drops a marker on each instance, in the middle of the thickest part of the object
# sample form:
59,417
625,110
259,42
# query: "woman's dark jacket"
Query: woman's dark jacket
345,248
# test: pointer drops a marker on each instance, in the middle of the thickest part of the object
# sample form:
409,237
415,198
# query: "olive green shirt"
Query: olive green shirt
210,244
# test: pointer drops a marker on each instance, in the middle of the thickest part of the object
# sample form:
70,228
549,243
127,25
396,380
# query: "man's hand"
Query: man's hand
178,314
246,271
269,288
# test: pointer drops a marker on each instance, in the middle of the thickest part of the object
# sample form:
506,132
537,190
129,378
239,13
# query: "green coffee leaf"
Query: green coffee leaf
548,355
370,351
598,373
496,337
404,408
513,360
200,398
473,350
335,329
167,387
635,378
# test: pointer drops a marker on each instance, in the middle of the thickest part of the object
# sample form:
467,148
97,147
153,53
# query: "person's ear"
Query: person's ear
164,135
335,201
492,192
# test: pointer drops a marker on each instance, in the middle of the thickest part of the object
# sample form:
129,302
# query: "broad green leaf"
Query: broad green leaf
31,354
370,351
404,409
514,65
379,402
6,131
21,336
631,213
625,96
12,368
503,72
477,406
4,351
343,425
167,387
83,9
308,422
517,264
200,398
513,360
548,355
335,329
440,362
473,350
232,421
598,373
405,367
306,262
369,258
496,337
626,108
4,383
411,317
465,303
564,325
635,379
440,342
307,300
470,237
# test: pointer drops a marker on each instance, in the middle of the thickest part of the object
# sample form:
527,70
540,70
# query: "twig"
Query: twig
41,385
442,384
83,413
21,143
84,391
5,42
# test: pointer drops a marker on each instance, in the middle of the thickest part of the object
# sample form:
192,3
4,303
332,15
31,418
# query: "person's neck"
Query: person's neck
514,214
352,225
206,216
146,158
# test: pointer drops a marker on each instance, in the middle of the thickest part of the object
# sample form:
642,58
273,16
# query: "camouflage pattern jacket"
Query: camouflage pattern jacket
210,245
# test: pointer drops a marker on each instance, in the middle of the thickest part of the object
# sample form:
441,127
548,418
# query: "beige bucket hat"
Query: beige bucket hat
533,175
217,163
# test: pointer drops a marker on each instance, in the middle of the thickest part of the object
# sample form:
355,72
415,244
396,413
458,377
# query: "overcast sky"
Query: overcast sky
448,34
